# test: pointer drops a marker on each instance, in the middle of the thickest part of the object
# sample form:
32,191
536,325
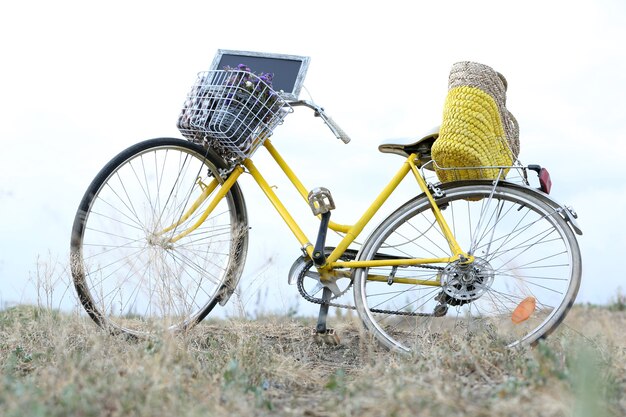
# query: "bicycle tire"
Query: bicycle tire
129,278
524,252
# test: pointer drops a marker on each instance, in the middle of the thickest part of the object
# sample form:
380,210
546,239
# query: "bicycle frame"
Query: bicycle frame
351,231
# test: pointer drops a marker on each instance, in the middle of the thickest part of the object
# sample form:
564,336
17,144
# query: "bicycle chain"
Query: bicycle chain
320,301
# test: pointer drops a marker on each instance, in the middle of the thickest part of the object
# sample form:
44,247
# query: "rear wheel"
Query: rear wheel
524,278
129,275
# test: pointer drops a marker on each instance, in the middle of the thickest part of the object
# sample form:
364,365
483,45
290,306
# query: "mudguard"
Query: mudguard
567,212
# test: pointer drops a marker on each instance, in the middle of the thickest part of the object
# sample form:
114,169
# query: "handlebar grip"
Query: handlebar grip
319,112
338,131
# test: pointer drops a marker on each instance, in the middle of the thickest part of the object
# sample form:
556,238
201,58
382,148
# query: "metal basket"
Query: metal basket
231,111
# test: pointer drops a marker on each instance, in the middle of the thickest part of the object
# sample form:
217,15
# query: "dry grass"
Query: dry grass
61,365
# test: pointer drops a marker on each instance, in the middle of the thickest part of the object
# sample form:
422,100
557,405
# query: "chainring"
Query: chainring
304,273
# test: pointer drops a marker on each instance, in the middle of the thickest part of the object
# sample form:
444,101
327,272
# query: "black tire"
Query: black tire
129,276
523,248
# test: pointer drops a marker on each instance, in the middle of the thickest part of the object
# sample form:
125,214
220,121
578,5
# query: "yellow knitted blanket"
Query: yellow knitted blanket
474,129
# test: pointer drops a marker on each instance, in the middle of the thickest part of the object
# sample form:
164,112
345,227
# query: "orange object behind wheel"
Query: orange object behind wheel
523,310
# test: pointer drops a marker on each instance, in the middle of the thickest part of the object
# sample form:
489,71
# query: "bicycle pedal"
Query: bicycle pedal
327,337
321,201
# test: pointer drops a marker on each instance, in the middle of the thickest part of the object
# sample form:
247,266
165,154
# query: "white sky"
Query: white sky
80,81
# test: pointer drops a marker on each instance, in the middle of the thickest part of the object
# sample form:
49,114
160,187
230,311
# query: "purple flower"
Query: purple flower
267,78
259,87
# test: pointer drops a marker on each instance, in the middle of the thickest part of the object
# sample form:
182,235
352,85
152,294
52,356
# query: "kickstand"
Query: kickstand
321,333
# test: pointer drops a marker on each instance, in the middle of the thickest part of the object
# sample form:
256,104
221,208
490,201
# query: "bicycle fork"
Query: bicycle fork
207,190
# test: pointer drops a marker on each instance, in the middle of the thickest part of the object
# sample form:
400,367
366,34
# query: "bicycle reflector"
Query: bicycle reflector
545,183
523,310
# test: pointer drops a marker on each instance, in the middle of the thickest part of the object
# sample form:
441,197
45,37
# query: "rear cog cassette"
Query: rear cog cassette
462,284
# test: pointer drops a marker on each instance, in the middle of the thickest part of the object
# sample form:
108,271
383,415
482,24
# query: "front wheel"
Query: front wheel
524,278
131,277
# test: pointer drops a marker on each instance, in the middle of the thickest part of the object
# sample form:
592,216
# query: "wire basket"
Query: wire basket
231,111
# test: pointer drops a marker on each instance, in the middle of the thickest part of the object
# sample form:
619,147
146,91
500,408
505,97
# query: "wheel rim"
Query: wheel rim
522,247
129,276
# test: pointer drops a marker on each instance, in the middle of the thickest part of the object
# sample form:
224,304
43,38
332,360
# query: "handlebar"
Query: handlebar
319,112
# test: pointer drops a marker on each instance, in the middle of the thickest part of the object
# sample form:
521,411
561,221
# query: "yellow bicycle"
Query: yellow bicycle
161,235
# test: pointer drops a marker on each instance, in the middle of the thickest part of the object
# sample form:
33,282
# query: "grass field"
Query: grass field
62,365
